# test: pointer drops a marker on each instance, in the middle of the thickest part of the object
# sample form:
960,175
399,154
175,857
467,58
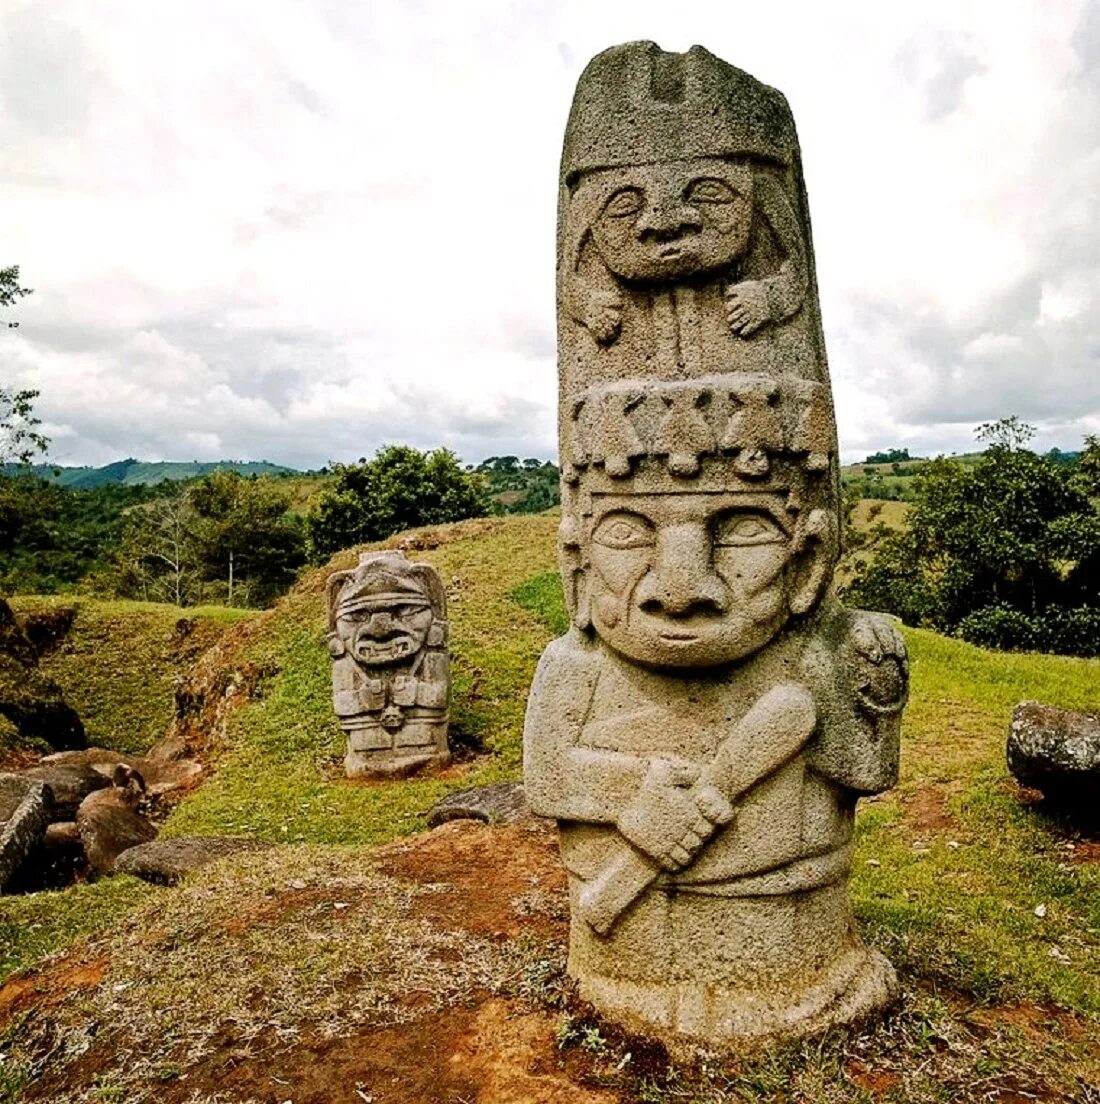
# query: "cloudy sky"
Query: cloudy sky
296,230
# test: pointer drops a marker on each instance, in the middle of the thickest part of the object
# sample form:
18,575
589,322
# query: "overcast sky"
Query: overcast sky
296,230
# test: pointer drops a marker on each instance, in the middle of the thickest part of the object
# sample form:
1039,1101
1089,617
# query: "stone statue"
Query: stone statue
703,731
391,671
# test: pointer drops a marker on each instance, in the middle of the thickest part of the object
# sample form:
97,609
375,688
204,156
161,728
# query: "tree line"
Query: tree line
1003,551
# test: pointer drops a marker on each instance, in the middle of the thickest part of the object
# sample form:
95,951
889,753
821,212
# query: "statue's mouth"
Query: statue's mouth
678,637
384,651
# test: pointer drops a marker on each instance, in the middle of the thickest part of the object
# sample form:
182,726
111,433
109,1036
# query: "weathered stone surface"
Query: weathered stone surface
1056,751
391,671
24,814
704,730
160,776
68,784
499,803
165,862
109,823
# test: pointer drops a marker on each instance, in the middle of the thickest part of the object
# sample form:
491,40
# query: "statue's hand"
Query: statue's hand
747,307
671,818
602,315
881,667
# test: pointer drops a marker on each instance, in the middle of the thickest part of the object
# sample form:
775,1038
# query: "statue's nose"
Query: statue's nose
380,623
682,581
668,216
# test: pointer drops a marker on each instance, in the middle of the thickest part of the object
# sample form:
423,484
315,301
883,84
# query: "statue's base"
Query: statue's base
702,970
393,767
688,1015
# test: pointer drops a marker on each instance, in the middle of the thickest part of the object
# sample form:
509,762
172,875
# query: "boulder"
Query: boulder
24,814
165,862
160,776
69,784
499,803
109,823
1056,751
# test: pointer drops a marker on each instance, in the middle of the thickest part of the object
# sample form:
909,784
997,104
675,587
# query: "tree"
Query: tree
158,559
401,488
245,536
19,440
1002,552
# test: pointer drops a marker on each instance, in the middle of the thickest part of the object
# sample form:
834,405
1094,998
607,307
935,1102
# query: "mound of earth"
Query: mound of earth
416,974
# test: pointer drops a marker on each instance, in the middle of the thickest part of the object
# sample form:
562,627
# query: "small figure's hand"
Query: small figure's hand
602,315
747,307
671,818
881,663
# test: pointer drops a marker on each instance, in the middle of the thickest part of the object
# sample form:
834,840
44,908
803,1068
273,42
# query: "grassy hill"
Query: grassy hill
131,472
989,907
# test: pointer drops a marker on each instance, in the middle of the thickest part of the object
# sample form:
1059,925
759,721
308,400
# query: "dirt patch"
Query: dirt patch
1038,1021
49,986
487,881
488,1053
926,811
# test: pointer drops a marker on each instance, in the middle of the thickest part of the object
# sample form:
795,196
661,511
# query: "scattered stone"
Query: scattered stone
108,821
391,671
704,729
61,835
1056,751
160,776
24,814
165,862
499,803
69,784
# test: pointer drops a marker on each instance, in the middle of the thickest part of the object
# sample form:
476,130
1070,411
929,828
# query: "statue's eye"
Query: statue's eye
624,531
709,190
743,529
625,203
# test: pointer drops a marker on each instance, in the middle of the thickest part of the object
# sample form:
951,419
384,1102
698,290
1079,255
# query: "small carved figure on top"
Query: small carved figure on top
653,243
391,669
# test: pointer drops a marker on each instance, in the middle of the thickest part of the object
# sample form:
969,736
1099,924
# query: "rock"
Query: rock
499,803
61,835
108,821
159,775
24,814
69,784
165,862
704,729
1056,751
391,670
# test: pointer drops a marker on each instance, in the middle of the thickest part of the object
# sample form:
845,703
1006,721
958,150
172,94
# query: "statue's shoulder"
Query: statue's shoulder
569,668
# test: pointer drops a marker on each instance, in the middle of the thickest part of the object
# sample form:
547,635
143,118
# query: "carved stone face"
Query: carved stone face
689,580
385,630
674,219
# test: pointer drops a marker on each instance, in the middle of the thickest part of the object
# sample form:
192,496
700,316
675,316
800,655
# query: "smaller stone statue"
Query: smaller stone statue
391,671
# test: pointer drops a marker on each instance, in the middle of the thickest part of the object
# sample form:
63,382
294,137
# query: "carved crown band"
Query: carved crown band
750,418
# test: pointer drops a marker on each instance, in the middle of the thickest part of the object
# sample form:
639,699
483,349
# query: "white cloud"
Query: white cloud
300,236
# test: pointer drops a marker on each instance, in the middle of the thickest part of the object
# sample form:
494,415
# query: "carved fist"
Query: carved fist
602,315
671,818
881,670
747,307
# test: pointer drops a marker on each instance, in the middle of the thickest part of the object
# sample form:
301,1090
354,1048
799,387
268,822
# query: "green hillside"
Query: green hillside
952,866
143,472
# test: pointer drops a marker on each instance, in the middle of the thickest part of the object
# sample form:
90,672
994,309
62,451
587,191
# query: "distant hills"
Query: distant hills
132,472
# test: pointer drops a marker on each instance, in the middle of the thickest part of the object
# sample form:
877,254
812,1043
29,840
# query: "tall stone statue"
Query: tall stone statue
703,731
391,671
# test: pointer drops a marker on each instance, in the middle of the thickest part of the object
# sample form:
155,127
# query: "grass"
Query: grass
279,776
981,899
34,925
118,661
